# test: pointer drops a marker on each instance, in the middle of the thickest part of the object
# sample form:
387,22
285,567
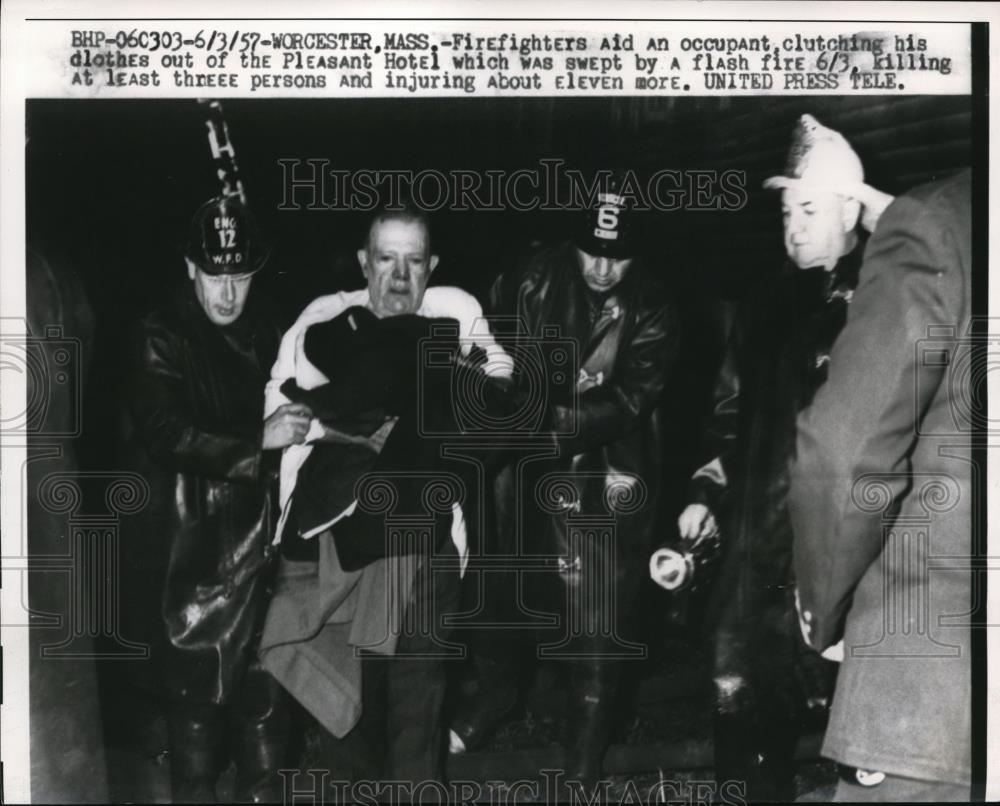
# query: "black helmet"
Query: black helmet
606,227
224,238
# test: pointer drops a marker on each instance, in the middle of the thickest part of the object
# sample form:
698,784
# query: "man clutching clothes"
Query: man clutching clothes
355,630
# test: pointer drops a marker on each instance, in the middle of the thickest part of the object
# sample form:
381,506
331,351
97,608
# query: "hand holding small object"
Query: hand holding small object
696,523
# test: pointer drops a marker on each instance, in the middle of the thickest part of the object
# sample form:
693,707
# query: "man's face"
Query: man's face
222,296
601,274
397,264
817,227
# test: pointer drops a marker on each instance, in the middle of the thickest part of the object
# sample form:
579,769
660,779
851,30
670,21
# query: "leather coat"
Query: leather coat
778,358
202,546
589,502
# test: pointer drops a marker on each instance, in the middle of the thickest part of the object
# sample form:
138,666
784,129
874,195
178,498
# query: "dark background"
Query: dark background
116,182
112,185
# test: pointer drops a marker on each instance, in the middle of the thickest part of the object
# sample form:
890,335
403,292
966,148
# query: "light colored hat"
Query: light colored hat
822,159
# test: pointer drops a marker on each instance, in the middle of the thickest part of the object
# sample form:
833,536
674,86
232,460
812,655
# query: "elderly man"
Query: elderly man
764,674
882,486
203,546
603,467
333,636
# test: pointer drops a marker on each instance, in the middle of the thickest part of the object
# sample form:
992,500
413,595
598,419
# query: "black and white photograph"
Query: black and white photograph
480,443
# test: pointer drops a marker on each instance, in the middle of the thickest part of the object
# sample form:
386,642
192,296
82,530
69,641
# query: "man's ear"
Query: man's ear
433,263
850,213
191,267
363,259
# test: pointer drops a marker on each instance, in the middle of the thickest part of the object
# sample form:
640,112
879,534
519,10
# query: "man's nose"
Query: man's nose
229,291
796,229
603,267
400,270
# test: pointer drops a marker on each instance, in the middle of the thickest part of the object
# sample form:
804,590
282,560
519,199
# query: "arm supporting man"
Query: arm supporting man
607,412
169,429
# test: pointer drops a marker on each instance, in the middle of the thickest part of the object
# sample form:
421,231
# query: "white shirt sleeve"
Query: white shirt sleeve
473,327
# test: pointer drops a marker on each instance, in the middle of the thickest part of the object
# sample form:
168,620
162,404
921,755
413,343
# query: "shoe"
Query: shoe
262,734
485,701
195,739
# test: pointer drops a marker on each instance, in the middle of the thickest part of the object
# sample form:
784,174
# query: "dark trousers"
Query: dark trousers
573,592
253,730
400,735
764,679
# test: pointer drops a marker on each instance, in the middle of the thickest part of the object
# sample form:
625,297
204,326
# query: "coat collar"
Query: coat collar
837,283
844,278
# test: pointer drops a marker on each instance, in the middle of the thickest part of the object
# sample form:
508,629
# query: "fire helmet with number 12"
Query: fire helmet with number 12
224,239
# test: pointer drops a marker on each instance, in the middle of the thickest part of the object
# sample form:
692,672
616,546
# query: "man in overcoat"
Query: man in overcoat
881,501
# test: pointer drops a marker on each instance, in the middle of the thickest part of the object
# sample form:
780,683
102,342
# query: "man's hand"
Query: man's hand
697,522
805,620
833,653
288,425
873,204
